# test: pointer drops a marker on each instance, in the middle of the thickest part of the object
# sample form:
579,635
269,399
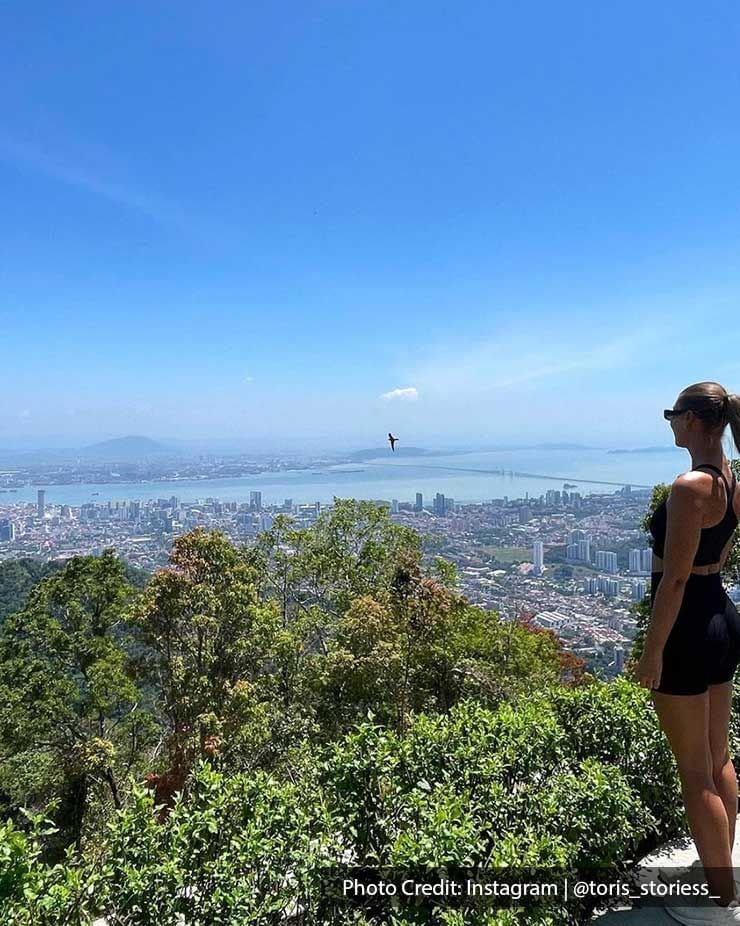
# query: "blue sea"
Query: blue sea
466,477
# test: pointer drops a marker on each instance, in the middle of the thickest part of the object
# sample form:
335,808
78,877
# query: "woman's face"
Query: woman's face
681,424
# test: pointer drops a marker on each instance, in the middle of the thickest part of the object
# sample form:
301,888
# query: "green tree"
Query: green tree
424,647
315,576
210,650
17,578
72,719
350,551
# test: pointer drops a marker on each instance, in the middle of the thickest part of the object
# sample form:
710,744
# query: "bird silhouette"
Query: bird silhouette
392,441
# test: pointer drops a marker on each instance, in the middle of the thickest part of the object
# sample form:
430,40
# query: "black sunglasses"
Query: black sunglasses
669,413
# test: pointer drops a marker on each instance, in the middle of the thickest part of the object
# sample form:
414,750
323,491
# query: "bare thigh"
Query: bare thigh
685,721
720,705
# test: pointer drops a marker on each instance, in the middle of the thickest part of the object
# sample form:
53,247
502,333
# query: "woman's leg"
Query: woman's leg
723,771
685,721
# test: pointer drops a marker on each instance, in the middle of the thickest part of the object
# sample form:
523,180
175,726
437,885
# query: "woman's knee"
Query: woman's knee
696,780
719,762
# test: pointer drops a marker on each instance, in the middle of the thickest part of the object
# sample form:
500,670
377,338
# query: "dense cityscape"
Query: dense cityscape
573,563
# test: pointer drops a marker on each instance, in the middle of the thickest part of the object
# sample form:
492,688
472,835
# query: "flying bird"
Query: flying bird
392,441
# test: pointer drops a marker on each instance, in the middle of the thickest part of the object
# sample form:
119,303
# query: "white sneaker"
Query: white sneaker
696,864
709,914
712,915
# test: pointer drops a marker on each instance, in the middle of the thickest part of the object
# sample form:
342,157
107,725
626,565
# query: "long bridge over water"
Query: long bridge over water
514,472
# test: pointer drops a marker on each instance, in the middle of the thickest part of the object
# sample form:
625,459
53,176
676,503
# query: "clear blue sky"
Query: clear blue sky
456,221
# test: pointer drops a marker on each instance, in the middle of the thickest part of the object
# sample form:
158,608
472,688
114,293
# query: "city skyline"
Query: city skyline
470,227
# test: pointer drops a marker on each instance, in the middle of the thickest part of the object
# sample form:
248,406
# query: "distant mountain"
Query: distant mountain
129,449
561,447
507,447
664,449
373,452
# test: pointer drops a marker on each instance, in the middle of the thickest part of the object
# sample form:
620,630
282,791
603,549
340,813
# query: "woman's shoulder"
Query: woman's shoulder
692,488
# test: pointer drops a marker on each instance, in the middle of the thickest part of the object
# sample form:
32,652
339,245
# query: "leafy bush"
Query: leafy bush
33,893
546,784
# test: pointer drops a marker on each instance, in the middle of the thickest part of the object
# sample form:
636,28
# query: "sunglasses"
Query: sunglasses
669,413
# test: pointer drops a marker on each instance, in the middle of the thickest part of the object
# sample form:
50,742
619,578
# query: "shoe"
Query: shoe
696,864
709,914
706,916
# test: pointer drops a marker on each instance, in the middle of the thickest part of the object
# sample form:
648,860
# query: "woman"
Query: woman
692,646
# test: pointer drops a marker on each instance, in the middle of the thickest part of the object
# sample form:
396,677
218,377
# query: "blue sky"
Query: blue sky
462,222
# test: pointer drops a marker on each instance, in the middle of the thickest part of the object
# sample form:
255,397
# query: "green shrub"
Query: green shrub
33,893
562,779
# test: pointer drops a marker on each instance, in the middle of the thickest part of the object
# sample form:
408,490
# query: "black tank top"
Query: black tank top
712,540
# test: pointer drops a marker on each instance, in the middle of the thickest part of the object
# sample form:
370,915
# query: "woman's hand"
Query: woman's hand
649,669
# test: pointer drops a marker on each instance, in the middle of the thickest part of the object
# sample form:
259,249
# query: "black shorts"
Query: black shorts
703,647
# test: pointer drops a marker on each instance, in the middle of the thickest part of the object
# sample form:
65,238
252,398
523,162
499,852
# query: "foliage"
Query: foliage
34,893
351,551
71,714
209,647
17,578
424,649
544,783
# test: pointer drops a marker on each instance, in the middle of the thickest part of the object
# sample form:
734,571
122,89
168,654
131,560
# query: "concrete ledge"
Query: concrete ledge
680,854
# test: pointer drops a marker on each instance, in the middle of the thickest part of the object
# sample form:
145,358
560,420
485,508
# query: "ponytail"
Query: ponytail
733,417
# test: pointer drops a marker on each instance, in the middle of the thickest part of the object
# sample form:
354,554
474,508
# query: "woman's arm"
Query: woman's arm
684,516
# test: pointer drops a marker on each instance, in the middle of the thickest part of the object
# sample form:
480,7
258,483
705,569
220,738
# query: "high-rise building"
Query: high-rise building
578,549
419,506
7,529
439,504
640,561
40,503
606,560
255,501
608,586
394,506
538,556
618,658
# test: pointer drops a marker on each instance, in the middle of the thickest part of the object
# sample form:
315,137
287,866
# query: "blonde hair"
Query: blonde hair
715,406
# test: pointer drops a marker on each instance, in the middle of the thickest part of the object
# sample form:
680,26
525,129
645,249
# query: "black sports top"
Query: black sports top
712,540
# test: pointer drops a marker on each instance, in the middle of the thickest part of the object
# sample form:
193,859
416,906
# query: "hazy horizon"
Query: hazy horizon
314,446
